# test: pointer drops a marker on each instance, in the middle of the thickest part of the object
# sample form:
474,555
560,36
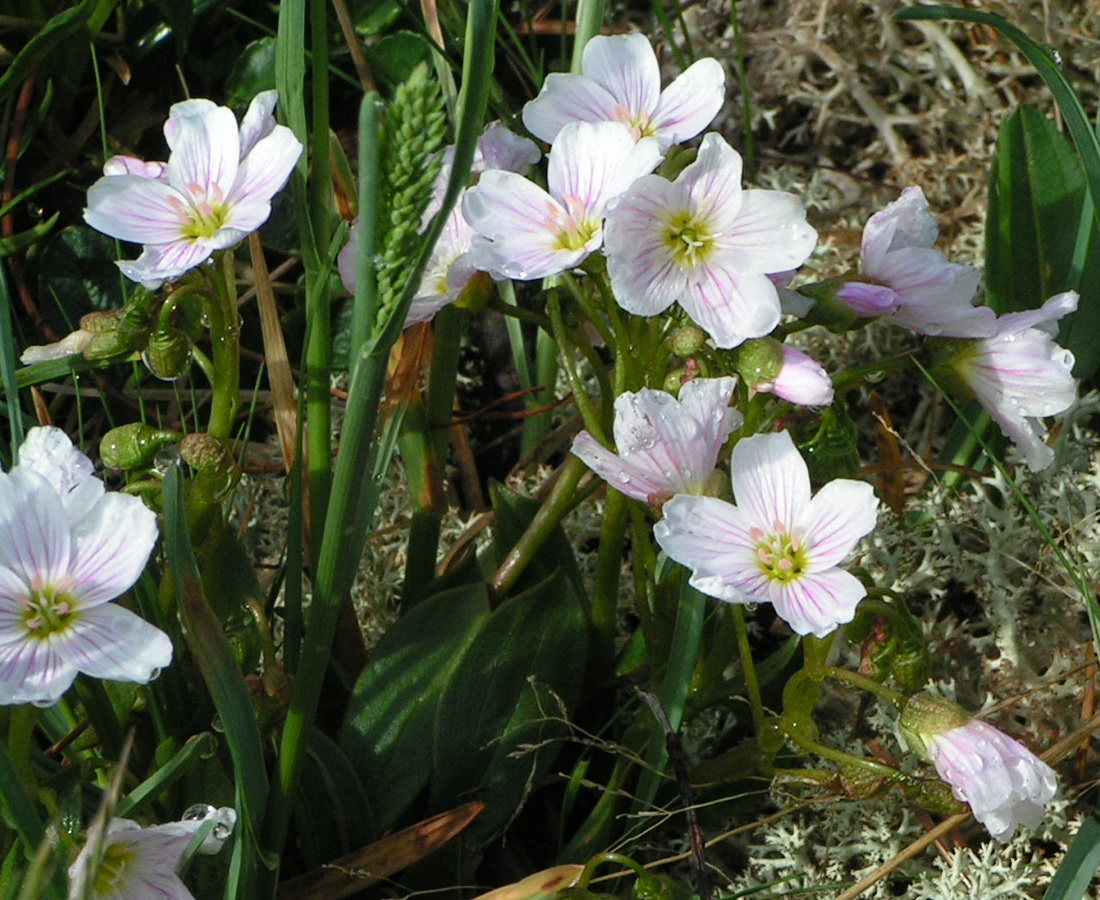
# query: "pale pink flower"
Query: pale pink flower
665,445
67,548
128,862
620,81
777,545
527,232
1020,374
801,380
932,295
214,190
1005,784
703,241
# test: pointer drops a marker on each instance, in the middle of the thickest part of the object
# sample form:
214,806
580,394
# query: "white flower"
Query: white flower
705,242
1020,374
620,81
67,548
529,233
128,862
777,544
933,296
666,445
1005,784
215,188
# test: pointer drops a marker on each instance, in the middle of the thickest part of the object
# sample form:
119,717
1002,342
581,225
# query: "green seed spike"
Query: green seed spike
412,138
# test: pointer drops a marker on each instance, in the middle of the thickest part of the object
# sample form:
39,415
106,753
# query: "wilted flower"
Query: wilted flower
666,445
1005,784
932,295
128,862
778,544
529,233
1018,374
67,548
703,241
620,81
215,188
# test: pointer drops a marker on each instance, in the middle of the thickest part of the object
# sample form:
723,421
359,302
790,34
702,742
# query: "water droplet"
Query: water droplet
199,812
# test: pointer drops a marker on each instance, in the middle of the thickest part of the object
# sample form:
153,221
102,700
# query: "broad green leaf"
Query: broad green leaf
332,811
387,734
78,275
1036,195
253,72
499,724
1079,865
394,58
373,16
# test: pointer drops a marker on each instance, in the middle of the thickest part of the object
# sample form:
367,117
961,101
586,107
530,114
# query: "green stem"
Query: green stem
748,668
225,339
848,378
846,760
605,586
591,420
896,698
550,515
589,19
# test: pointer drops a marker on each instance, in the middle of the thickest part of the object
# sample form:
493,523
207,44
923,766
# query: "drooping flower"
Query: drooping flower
620,81
703,241
215,188
67,548
1019,374
1005,784
772,367
529,233
125,861
666,445
932,296
777,545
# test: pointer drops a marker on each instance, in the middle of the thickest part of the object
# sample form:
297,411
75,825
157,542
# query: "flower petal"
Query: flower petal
35,542
771,234
49,452
165,261
690,103
592,164
729,306
112,544
818,602
261,176
565,99
618,472
206,149
626,67
111,642
34,671
839,514
258,121
770,480
135,209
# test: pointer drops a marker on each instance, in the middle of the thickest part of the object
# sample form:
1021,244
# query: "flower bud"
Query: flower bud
687,341
134,446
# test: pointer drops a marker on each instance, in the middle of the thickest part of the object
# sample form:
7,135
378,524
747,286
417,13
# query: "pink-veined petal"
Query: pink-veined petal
771,233
711,537
620,473
522,222
626,67
591,164
111,642
818,602
839,514
261,176
258,121
112,545
49,452
731,307
136,209
565,99
690,103
35,542
904,223
206,149
713,183
34,671
770,480
162,262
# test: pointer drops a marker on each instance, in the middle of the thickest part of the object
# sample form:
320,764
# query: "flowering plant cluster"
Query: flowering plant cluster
645,287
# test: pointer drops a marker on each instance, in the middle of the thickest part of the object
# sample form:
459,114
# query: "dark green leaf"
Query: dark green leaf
253,72
1036,195
78,276
394,58
373,16
499,725
391,715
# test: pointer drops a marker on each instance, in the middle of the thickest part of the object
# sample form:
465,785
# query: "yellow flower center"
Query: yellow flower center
780,555
574,229
688,240
204,216
49,609
111,874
